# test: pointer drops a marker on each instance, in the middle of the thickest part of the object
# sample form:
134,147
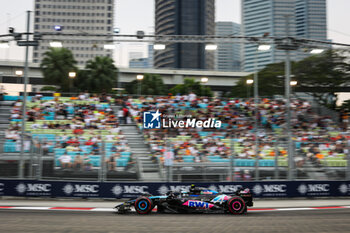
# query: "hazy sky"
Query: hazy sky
133,15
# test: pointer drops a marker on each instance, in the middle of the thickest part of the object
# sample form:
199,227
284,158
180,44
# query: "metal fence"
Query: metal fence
51,159
311,161
46,158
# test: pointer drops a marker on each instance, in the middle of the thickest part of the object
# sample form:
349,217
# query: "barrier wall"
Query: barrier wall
33,188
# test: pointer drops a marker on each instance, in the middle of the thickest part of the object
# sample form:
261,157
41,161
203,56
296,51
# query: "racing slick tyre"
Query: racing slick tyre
143,205
236,205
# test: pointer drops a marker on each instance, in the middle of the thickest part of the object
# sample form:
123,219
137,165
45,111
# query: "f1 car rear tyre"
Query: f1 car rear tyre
236,205
143,205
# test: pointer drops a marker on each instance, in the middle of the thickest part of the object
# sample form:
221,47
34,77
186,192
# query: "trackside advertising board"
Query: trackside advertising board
33,188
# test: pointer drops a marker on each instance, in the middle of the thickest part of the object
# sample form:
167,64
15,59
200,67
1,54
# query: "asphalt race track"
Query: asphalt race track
322,220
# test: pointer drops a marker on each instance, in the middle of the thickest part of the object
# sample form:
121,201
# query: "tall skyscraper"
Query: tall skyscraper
184,17
228,55
78,16
260,17
307,19
140,61
135,55
150,55
311,21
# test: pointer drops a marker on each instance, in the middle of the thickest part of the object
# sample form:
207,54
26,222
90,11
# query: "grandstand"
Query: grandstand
84,131
76,136
319,143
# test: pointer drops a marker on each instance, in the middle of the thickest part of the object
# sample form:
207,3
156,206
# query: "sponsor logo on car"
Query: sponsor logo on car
220,199
198,204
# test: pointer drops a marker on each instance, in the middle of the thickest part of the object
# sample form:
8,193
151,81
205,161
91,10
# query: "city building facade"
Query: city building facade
306,19
78,16
184,17
228,55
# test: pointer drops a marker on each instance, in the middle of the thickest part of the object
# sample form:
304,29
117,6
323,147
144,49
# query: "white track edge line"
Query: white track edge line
29,208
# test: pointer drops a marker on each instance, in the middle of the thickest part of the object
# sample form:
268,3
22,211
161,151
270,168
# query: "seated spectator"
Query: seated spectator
78,131
96,148
65,161
111,162
87,163
89,142
46,147
78,162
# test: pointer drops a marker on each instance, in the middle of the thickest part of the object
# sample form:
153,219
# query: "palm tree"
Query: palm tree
56,65
100,75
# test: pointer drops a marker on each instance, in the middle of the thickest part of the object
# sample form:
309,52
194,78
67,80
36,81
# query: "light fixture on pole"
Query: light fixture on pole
158,46
289,45
316,51
264,47
58,28
204,80
249,82
24,103
71,76
56,44
211,47
293,83
19,74
140,78
4,44
109,46
261,47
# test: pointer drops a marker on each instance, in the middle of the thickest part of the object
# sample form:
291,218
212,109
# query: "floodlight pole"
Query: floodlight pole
24,102
288,115
256,110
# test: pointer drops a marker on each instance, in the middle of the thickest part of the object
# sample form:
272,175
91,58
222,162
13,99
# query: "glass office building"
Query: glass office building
184,17
307,19
228,55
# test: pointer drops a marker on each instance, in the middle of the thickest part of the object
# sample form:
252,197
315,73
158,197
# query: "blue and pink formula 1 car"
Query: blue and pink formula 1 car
197,200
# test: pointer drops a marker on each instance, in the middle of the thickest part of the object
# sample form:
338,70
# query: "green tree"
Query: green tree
319,75
190,85
56,65
269,82
48,88
322,75
99,75
151,84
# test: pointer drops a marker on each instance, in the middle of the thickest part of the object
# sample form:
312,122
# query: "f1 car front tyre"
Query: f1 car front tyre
143,205
236,205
